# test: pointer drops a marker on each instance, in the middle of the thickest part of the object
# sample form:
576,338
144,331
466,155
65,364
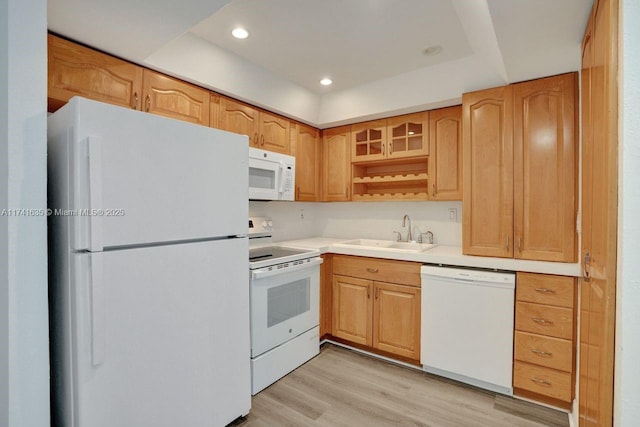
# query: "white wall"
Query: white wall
627,381
373,220
24,343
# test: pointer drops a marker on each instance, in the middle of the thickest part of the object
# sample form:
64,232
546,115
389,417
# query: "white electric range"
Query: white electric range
285,295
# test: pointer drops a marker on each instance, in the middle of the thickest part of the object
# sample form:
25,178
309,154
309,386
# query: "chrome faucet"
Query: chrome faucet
404,219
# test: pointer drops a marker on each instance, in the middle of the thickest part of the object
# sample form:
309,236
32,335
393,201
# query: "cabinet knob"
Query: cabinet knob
148,102
372,270
135,100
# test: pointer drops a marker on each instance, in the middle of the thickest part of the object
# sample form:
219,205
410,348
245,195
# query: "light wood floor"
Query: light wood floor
341,387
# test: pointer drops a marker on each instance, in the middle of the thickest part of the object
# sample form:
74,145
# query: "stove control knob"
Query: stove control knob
269,224
264,225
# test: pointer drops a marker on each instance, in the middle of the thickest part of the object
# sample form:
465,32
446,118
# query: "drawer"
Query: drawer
546,351
544,319
381,270
545,289
545,381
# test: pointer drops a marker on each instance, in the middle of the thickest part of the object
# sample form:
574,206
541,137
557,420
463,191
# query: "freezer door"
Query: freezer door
162,336
141,178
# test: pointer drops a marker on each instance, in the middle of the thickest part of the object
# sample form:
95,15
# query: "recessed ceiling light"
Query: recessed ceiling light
432,50
240,33
326,81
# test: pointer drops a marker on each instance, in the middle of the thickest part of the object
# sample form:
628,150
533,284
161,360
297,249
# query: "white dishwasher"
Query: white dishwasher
467,326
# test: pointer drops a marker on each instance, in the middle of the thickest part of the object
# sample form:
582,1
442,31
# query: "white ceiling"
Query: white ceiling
372,49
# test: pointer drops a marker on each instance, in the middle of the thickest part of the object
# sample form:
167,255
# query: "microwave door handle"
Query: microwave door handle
282,178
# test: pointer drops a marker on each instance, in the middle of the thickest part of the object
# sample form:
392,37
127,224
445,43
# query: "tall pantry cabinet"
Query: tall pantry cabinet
520,158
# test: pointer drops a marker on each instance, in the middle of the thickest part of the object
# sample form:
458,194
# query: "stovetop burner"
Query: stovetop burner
262,251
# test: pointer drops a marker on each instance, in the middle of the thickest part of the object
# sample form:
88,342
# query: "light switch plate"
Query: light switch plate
453,214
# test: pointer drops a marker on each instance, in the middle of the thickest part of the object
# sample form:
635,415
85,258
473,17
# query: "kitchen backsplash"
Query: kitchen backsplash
372,220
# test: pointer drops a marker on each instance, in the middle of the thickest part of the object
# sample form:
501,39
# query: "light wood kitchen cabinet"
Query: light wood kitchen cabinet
75,70
487,224
265,130
336,164
352,309
241,118
408,135
445,153
369,141
306,148
274,133
389,158
544,338
520,181
545,168
396,319
169,97
376,303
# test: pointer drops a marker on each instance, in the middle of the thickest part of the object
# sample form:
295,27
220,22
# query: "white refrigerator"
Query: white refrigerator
149,285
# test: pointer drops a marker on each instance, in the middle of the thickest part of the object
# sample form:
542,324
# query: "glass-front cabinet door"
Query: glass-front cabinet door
369,141
408,135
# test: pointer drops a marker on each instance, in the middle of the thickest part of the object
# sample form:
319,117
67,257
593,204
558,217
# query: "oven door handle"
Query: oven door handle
261,273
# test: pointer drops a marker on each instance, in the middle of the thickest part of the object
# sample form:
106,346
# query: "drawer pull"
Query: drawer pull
542,321
372,270
545,291
540,352
541,382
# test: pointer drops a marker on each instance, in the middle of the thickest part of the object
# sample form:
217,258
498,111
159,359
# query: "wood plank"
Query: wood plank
344,388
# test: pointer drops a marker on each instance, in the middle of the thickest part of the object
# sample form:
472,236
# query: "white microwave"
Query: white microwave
271,175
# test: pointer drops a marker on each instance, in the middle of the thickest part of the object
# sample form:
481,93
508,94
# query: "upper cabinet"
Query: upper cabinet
306,148
520,162
274,133
487,209
239,118
445,154
336,164
369,141
545,168
395,138
408,136
389,158
77,70
265,130
174,98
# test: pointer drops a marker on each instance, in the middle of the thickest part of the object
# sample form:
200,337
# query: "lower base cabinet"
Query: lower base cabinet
544,340
378,314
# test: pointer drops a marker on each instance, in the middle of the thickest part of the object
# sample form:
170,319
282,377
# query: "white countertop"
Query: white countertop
446,255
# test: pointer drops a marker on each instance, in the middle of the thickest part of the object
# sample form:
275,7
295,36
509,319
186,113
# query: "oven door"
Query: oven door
283,306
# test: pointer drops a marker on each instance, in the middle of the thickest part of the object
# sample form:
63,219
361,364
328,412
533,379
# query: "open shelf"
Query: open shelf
398,180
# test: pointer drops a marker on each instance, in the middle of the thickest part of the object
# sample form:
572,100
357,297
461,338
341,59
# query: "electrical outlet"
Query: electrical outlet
453,214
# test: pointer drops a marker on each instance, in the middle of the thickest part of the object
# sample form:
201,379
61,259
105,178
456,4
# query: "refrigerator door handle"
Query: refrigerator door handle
98,315
95,194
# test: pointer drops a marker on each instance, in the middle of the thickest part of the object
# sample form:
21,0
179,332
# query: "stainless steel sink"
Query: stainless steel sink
386,245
